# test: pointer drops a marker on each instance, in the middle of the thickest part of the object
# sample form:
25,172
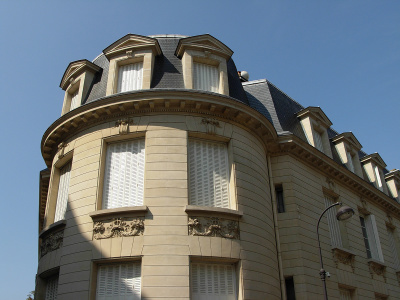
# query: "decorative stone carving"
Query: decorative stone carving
52,242
344,257
213,226
118,227
377,268
123,125
210,124
330,183
129,53
61,149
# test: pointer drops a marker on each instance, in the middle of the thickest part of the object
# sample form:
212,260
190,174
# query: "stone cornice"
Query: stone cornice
154,101
292,145
75,69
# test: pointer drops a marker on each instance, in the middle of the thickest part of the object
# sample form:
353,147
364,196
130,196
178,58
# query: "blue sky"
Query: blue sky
343,56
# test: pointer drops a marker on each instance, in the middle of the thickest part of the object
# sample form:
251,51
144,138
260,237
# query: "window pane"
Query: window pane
208,174
62,196
279,199
124,174
130,77
74,100
205,77
52,288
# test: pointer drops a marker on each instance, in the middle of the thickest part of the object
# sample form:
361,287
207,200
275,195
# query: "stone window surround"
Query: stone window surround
346,143
313,119
105,141
42,278
96,263
62,160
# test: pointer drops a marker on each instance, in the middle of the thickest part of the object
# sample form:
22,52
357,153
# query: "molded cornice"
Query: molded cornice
349,138
316,114
75,69
375,157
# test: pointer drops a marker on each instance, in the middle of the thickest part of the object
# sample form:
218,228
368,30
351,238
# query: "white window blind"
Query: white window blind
51,288
393,248
208,174
205,77
213,282
130,77
378,178
318,141
373,238
124,174
333,223
345,294
119,282
62,196
74,100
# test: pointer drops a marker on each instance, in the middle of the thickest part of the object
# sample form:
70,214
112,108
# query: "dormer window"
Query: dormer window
315,124
347,147
76,83
131,63
373,165
130,77
393,183
204,63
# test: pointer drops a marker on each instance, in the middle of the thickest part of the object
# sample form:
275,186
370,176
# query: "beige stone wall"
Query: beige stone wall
166,249
304,189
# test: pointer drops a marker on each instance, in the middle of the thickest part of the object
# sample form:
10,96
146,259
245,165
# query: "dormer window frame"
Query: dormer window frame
131,49
78,76
347,147
314,121
373,166
204,49
392,180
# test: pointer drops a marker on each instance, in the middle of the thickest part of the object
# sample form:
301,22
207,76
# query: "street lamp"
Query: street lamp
343,213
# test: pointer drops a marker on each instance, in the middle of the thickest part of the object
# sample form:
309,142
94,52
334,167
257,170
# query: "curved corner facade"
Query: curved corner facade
168,176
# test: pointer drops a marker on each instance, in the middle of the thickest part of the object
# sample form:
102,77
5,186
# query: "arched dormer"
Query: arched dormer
204,65
131,63
76,82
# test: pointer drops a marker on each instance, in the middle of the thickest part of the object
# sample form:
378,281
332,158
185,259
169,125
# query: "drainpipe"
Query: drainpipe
277,241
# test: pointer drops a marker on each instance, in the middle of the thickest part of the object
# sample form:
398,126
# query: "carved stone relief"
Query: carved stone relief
343,257
210,124
213,226
61,149
52,242
123,125
377,268
118,227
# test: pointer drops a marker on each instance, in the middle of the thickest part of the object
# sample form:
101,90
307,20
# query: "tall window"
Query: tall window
130,77
333,223
51,288
213,281
74,100
205,77
208,174
279,199
350,163
371,237
345,294
124,174
318,141
394,247
62,196
289,284
119,281
378,178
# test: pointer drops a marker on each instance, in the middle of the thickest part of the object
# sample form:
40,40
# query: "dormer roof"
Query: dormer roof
75,69
395,173
132,42
349,138
316,114
204,42
376,158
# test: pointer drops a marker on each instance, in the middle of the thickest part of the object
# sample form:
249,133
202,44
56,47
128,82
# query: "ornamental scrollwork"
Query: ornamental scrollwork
344,257
213,226
52,242
210,124
123,125
378,269
118,227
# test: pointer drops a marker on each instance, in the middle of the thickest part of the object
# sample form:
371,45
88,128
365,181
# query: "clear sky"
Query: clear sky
343,56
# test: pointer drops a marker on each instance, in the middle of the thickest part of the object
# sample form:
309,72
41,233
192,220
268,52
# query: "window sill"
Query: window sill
212,211
119,212
52,228
344,256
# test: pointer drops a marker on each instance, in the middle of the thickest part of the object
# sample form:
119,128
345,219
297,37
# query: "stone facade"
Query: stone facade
167,235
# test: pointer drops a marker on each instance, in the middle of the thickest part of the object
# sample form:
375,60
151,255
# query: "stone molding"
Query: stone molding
51,242
377,268
213,227
343,256
118,227
110,213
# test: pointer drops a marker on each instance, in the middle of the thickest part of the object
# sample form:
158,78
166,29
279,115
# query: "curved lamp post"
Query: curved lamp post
344,213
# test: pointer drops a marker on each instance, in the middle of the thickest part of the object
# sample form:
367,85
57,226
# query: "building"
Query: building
170,175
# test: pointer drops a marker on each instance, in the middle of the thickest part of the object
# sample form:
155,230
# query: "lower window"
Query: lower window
51,288
119,281
213,281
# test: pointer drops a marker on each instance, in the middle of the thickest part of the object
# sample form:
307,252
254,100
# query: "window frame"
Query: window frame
371,235
280,201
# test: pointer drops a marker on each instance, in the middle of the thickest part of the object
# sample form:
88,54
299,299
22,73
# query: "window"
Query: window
350,163
394,244
345,294
124,174
371,238
51,288
289,284
130,77
378,178
205,77
74,100
213,281
333,223
62,196
208,174
279,199
119,281
318,140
